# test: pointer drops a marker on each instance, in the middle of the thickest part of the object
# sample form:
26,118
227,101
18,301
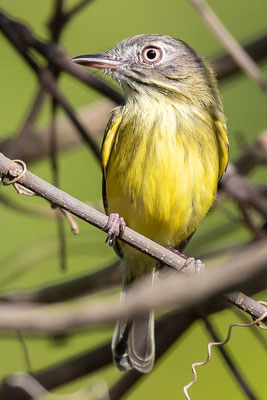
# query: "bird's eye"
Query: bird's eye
151,54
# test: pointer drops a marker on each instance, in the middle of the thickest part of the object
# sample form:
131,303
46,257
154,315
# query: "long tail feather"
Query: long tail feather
133,344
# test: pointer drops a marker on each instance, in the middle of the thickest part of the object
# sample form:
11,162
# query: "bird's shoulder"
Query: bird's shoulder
223,144
110,136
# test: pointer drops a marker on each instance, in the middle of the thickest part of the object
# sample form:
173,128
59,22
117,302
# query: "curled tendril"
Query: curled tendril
211,344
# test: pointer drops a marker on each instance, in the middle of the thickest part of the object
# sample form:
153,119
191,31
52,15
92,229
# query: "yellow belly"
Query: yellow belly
162,182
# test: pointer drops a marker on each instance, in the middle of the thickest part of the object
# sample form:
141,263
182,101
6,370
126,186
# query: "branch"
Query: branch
62,373
225,66
240,189
47,80
85,285
89,214
253,155
168,329
235,274
55,55
235,49
94,116
239,273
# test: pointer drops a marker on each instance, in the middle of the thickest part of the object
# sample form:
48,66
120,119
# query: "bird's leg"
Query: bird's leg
191,264
113,220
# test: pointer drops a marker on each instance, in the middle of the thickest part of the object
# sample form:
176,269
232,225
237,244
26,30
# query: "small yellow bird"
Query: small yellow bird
163,153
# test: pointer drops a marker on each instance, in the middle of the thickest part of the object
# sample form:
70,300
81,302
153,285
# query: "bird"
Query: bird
163,153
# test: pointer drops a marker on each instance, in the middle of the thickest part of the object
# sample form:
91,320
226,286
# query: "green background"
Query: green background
28,255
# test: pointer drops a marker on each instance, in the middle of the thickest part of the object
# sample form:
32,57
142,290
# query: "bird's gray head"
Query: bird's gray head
159,63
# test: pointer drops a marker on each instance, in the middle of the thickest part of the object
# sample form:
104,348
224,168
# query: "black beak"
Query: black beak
100,61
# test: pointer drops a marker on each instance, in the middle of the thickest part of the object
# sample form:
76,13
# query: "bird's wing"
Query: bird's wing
223,146
107,146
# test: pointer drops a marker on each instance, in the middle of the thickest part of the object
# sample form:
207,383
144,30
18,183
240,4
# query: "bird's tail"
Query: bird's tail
133,344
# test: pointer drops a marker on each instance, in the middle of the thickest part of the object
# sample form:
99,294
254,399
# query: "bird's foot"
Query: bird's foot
190,265
113,220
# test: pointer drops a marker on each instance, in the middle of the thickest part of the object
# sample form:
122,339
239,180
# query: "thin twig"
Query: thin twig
25,351
235,49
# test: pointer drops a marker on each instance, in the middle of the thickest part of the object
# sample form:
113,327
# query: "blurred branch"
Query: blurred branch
253,155
168,329
253,264
235,49
240,189
30,211
55,55
85,285
62,373
56,25
245,270
46,79
95,116
225,66
14,146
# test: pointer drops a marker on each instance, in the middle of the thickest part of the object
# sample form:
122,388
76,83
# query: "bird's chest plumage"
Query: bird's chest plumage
162,174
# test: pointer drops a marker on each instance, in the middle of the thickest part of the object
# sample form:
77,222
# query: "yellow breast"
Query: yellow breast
162,177
162,171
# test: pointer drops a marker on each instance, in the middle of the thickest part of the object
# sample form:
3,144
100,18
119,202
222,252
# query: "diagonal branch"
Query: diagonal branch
25,40
47,80
235,49
247,268
225,66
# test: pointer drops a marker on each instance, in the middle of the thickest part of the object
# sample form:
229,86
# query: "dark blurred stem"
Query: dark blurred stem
55,174
236,374
25,351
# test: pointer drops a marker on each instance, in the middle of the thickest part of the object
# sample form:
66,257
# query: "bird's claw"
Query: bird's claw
193,265
113,220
